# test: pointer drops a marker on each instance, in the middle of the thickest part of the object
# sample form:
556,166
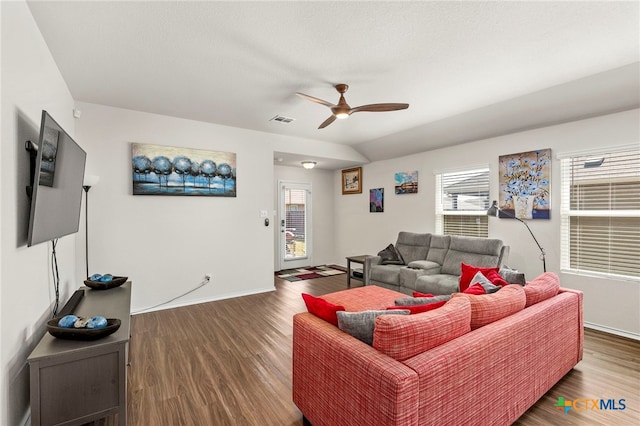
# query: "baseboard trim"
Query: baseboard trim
611,330
203,300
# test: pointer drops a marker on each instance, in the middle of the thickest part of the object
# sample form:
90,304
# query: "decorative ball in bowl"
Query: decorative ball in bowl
71,333
104,282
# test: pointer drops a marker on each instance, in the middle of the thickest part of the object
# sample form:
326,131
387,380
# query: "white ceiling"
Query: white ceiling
469,70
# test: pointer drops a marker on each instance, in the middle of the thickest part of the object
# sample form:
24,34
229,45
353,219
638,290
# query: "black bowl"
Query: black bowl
113,324
105,285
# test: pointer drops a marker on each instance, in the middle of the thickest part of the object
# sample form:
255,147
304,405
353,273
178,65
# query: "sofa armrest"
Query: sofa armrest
335,373
368,262
504,256
580,317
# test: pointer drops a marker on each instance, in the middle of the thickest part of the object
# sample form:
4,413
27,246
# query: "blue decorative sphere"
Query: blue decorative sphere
97,322
67,321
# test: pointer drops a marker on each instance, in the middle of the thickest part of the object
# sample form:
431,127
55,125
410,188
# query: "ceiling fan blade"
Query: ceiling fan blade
317,100
327,122
379,107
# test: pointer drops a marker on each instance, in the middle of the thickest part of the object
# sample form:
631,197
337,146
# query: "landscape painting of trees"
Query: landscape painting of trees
165,170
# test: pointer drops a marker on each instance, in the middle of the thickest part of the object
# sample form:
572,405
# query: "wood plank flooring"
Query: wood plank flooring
229,363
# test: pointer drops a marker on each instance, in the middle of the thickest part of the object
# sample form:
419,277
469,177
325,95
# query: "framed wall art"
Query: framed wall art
525,184
165,170
352,181
376,200
406,182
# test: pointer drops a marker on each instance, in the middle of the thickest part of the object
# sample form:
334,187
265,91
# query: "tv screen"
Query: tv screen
56,195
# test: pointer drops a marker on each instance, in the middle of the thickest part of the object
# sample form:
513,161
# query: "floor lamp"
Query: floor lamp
493,211
89,181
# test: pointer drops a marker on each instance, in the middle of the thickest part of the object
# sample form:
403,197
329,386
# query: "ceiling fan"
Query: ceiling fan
343,110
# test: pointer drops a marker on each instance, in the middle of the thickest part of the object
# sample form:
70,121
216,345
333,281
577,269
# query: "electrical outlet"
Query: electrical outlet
207,277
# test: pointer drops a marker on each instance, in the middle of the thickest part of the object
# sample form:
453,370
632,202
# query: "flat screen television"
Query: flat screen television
57,173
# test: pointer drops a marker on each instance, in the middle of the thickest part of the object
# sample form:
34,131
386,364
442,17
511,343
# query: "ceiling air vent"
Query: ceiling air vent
282,119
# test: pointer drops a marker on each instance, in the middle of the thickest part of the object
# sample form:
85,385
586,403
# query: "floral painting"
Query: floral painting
165,170
406,182
525,184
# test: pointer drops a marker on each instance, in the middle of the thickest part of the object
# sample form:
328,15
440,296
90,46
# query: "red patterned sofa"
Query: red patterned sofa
477,360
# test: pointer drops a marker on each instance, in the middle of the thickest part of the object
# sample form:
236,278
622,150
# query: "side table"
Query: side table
74,382
355,259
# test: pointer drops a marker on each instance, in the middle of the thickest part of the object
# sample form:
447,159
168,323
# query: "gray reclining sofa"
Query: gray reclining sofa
432,263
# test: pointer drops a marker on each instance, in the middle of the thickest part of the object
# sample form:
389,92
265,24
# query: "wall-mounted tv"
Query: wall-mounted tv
57,173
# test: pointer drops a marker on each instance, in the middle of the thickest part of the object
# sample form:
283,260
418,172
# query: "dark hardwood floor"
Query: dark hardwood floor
229,363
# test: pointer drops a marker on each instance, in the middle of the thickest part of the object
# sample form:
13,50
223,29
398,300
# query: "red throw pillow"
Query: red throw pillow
475,289
418,294
469,271
496,278
322,309
417,309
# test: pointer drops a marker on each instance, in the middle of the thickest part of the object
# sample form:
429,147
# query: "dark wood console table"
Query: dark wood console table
75,382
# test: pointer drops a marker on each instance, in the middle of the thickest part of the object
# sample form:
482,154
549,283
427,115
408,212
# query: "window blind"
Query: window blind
600,210
462,199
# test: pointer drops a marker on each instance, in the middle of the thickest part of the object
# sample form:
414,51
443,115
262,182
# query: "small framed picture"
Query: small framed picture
376,200
352,181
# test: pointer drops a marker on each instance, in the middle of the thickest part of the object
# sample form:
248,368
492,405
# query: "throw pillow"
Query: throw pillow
321,308
496,278
418,294
403,337
475,289
391,256
512,276
418,309
360,324
541,288
412,301
469,271
486,284
487,308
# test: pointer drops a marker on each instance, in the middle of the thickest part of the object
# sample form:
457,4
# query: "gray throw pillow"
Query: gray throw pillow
512,276
361,324
489,287
391,256
413,301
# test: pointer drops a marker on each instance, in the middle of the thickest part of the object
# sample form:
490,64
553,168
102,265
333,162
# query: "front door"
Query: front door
294,218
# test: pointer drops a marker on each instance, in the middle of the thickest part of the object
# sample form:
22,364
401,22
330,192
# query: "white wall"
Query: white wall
609,304
166,244
322,188
30,83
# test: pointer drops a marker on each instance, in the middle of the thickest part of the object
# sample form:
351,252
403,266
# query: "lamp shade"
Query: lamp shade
493,210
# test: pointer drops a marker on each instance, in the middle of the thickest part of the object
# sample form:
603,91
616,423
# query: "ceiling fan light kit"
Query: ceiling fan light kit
309,164
343,110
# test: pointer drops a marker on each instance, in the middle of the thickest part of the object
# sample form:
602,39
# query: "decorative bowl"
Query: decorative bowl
113,324
105,285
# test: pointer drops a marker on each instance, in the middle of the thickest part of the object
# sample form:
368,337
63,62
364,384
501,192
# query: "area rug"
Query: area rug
300,274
